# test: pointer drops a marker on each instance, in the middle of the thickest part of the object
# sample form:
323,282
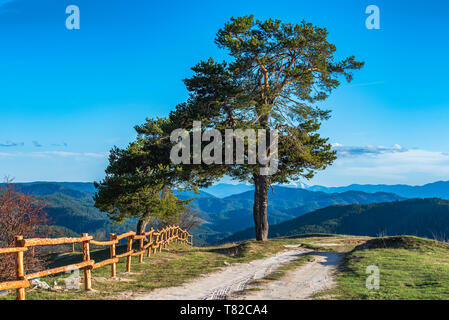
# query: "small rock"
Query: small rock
39,284
226,263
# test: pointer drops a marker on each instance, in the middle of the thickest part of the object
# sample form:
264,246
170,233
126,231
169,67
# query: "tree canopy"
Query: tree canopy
275,78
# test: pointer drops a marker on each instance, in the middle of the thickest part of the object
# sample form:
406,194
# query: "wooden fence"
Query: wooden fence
155,241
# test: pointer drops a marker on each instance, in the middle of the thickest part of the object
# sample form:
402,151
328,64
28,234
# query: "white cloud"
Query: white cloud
66,154
12,144
351,151
390,165
2,154
55,154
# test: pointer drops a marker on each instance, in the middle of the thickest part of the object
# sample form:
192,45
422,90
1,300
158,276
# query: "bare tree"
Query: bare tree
187,220
22,215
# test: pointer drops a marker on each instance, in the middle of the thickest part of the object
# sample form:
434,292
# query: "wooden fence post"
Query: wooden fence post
168,235
87,269
113,237
20,271
156,243
161,241
141,249
128,258
150,240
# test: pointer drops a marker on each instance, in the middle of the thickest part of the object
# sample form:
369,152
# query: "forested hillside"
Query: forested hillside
420,217
71,210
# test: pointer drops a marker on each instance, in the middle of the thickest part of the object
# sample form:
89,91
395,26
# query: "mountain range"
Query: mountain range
224,208
438,189
231,214
419,217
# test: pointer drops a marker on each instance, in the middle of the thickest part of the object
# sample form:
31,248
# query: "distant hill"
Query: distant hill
420,217
223,190
231,214
79,215
48,188
438,189
70,208
78,186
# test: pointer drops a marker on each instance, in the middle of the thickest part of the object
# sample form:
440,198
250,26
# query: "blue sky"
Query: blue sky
68,96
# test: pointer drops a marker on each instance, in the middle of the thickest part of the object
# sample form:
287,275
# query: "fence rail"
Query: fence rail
156,240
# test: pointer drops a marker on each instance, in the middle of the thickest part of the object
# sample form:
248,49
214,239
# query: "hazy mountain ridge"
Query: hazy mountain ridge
439,189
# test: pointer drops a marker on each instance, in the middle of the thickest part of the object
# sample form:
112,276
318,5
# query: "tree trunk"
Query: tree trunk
261,184
141,226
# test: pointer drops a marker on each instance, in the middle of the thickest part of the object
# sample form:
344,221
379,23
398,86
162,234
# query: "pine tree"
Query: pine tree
277,74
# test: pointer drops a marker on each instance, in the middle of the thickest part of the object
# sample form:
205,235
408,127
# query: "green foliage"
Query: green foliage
277,72
276,75
137,185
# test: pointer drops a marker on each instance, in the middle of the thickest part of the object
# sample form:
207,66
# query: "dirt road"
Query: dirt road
220,284
298,284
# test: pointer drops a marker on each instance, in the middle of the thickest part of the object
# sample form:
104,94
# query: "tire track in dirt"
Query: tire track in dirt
298,284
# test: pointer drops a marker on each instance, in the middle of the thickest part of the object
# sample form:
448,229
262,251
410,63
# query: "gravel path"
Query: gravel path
301,283
220,284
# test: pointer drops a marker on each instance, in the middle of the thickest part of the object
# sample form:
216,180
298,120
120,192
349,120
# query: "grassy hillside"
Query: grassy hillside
410,268
421,217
